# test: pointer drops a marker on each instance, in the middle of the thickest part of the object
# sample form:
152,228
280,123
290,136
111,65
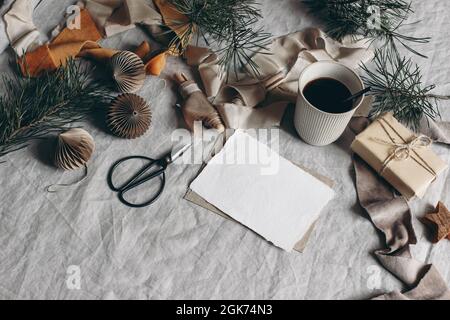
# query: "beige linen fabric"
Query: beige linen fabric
176,250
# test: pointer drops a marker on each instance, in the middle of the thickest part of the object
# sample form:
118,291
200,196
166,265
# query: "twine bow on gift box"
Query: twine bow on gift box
405,151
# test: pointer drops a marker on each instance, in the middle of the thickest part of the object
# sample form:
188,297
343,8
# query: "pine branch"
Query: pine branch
398,87
371,19
32,108
228,25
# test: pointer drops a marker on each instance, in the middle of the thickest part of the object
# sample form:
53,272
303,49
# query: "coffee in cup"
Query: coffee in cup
322,114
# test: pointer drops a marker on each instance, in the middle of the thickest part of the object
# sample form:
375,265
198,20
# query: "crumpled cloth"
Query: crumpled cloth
21,31
71,43
111,17
67,44
116,16
196,107
280,67
392,216
4,38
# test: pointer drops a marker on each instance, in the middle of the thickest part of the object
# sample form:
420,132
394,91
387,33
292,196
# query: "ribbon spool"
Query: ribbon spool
196,106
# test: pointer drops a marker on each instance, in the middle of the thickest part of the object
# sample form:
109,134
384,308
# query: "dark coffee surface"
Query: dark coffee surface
327,95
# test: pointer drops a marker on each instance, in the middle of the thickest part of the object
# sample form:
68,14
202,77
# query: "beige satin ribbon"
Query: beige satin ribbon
116,16
196,107
276,84
189,89
22,33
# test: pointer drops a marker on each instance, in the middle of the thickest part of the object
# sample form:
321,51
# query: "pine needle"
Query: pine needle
397,84
371,19
32,108
228,25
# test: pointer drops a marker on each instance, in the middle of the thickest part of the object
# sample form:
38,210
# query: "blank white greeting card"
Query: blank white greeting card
262,190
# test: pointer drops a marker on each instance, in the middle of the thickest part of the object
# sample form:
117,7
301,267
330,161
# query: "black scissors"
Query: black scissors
155,169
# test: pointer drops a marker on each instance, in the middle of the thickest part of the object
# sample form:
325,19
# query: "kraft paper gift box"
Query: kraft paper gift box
402,158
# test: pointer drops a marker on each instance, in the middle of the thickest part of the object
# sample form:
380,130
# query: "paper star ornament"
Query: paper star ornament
439,221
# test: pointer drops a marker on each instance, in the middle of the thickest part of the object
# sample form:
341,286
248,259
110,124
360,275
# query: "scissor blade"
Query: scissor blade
178,152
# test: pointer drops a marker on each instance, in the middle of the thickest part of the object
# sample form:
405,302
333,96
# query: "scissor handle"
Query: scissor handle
122,193
136,180
120,162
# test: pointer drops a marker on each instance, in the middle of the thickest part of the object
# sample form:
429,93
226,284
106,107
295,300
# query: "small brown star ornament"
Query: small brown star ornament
439,221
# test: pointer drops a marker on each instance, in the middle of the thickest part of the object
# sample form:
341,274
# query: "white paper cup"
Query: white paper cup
317,127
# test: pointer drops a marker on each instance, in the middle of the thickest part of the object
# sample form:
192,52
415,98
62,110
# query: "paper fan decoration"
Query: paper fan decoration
128,71
129,116
74,149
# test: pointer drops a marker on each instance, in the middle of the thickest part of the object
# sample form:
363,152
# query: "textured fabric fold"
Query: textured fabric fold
240,117
116,16
69,43
280,67
21,31
101,10
391,215
196,107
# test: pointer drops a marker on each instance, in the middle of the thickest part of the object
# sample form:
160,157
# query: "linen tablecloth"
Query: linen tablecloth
174,249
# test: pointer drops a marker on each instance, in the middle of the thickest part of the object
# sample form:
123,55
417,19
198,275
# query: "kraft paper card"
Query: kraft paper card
300,247
263,191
